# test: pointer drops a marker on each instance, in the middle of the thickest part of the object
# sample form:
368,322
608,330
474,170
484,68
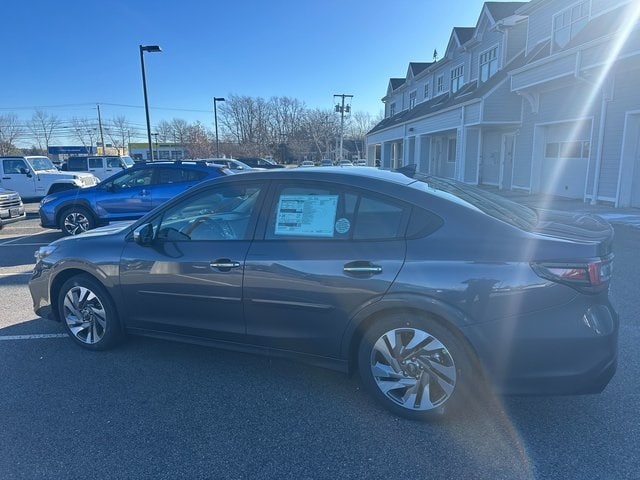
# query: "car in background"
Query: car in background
11,207
430,288
235,165
101,166
361,163
257,162
34,176
307,163
325,162
345,163
127,195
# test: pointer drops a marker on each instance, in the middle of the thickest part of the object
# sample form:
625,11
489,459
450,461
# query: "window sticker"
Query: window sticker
343,225
306,215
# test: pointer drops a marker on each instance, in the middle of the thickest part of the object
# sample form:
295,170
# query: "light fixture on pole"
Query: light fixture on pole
342,109
150,49
215,121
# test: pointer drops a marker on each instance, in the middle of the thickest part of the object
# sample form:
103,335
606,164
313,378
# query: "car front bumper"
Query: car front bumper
570,351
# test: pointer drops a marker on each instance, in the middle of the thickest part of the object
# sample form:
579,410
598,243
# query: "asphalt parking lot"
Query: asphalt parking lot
155,409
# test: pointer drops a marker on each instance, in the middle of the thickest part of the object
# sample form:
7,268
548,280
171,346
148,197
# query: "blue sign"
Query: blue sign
71,150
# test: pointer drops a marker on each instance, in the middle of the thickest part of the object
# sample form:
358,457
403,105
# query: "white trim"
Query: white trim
626,137
497,58
562,12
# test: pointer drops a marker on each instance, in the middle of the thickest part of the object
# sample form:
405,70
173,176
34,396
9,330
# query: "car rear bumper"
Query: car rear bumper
571,351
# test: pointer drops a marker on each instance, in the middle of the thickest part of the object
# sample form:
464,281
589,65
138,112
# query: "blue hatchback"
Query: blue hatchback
127,195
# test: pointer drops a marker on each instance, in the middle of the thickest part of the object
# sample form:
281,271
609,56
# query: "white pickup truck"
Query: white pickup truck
35,177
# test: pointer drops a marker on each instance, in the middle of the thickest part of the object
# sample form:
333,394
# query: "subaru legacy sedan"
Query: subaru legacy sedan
429,288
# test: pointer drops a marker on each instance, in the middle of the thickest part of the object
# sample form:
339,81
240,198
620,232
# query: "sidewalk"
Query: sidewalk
627,216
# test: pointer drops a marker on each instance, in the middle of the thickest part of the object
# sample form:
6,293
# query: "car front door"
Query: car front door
126,196
171,181
325,252
17,176
188,280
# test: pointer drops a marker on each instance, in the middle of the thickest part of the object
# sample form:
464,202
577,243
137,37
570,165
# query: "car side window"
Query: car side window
113,162
13,166
178,175
217,213
335,212
77,164
95,163
138,178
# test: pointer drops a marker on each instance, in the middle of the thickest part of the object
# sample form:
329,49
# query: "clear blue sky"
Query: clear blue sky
85,52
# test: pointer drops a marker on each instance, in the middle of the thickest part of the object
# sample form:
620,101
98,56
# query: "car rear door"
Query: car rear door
325,251
172,180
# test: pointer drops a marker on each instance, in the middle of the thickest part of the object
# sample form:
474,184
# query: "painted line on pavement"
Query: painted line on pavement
33,336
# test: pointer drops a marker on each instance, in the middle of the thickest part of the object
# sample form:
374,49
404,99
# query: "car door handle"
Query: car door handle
361,267
224,264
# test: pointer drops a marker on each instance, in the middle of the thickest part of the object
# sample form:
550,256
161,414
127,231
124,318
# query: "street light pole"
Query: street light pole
215,121
150,49
156,139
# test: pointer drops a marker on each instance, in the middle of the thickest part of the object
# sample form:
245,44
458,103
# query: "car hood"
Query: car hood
87,179
575,226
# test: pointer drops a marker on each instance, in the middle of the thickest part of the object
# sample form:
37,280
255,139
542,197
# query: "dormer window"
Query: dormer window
457,78
392,109
488,63
412,100
568,22
426,91
440,84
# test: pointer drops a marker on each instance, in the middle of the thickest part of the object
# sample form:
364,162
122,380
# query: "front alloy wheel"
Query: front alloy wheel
88,313
414,366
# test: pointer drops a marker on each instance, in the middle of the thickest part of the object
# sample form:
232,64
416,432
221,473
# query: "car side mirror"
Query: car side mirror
143,235
25,171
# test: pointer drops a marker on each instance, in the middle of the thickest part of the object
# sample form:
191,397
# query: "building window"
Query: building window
577,149
412,100
457,78
488,64
440,84
451,151
392,109
426,91
568,23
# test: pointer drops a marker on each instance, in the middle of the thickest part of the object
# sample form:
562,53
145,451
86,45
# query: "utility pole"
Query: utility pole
100,125
342,108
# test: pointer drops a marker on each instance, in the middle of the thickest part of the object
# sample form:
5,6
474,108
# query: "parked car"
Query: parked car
361,163
427,287
236,165
345,163
325,162
101,166
257,162
11,207
307,163
33,177
126,195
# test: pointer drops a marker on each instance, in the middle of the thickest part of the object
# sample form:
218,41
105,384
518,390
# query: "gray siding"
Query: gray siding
471,155
502,105
625,99
516,40
540,22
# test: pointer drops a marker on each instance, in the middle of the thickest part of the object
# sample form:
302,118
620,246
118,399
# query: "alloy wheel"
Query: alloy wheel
85,315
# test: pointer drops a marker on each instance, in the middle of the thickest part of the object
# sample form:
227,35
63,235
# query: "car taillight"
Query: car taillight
590,276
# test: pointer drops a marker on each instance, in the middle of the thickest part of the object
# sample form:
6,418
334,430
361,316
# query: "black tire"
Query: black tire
88,313
75,220
424,383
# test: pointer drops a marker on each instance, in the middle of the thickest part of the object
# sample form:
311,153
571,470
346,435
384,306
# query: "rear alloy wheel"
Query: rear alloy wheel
76,220
414,366
89,314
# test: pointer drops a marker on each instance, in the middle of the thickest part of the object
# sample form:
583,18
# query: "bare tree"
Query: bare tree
165,131
179,131
10,131
118,131
323,127
85,131
198,141
43,126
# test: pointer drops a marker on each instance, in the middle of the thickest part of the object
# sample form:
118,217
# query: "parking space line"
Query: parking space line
33,336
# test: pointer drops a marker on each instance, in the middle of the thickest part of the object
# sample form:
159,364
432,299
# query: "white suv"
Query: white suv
34,177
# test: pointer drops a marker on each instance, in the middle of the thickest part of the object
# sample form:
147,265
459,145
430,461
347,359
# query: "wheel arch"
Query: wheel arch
61,209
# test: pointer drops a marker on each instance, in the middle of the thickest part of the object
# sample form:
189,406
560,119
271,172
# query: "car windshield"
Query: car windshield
487,202
128,161
41,164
